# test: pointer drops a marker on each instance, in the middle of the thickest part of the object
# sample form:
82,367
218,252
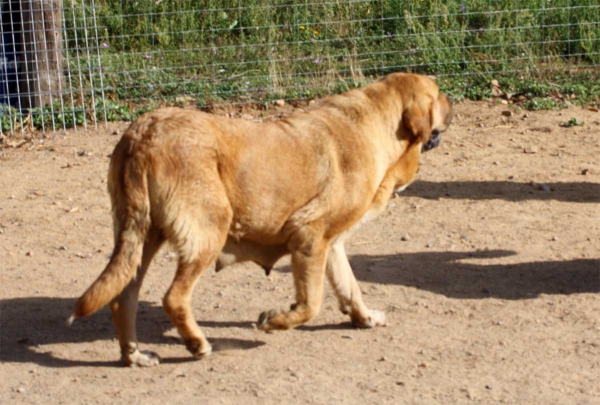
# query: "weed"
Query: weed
573,122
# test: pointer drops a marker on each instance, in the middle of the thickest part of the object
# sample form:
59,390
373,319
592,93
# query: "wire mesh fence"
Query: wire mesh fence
81,63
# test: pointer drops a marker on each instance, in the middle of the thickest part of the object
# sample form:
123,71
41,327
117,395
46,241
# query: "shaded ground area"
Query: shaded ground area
488,268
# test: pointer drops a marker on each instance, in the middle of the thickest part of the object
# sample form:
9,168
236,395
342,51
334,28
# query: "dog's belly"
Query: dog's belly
236,251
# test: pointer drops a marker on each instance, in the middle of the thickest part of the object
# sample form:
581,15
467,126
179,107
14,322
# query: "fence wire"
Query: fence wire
81,63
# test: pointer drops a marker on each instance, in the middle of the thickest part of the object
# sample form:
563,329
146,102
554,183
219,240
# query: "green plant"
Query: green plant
154,53
573,122
8,118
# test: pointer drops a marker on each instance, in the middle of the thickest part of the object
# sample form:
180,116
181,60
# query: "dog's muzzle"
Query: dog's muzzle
434,140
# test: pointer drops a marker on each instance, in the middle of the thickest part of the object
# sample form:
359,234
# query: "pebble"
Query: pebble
507,113
280,103
30,253
585,172
21,390
530,150
405,237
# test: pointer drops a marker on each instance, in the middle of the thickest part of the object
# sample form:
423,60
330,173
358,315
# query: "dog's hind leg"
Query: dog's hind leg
346,288
124,308
200,234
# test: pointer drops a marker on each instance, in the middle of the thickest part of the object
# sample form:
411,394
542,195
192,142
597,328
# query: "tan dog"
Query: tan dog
231,190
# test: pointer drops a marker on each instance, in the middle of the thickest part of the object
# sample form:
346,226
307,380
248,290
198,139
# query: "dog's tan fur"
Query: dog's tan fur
229,190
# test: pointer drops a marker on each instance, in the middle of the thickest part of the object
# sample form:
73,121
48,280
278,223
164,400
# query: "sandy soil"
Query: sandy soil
488,268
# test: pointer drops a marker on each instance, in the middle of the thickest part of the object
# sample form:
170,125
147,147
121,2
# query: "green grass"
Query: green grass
208,51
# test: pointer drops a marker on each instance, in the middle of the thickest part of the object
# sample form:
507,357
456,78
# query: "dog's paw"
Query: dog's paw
142,359
198,347
265,318
375,318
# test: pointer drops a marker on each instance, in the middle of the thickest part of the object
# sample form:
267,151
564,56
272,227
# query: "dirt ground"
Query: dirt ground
488,269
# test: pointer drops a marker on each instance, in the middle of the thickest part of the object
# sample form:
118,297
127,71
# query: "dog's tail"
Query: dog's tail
128,189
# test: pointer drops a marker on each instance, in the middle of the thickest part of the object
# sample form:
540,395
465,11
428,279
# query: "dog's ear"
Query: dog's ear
418,122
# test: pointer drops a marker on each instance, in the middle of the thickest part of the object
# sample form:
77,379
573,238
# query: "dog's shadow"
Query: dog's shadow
471,275
463,275
29,325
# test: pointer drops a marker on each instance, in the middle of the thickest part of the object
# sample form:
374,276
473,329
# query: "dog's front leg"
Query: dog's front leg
346,288
308,269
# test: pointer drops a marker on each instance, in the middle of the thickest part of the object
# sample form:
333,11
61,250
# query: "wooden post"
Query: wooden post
42,52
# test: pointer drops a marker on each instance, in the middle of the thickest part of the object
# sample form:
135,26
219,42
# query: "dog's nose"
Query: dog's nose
434,140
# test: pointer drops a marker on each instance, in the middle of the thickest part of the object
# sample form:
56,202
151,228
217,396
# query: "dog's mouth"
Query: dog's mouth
434,140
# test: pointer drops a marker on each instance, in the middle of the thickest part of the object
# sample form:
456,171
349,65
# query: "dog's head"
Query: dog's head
426,112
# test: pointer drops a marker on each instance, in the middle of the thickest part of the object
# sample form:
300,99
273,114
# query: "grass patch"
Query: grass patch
207,52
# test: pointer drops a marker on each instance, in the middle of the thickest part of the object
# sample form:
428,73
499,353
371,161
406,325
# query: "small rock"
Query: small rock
346,337
405,237
488,387
428,245
400,383
311,102
496,163
585,172
495,83
507,113
505,102
221,293
530,150
545,188
21,390
554,239
423,365
513,177
115,132
280,103
30,253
